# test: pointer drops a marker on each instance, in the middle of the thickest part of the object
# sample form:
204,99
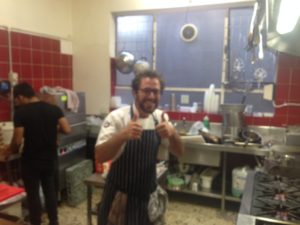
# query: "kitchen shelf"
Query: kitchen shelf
228,195
232,198
221,188
207,193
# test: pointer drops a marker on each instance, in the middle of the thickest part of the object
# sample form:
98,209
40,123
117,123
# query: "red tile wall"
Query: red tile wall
37,60
4,69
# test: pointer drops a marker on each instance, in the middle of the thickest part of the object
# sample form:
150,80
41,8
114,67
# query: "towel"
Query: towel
72,97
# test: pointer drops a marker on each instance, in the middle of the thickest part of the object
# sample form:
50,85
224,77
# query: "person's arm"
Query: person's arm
176,147
17,140
109,149
64,126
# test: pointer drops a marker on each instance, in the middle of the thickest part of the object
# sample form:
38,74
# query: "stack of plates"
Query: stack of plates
211,100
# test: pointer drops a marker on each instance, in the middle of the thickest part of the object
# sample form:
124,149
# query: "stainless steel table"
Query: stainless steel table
95,180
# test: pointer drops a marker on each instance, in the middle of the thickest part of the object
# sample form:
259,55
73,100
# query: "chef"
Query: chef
130,136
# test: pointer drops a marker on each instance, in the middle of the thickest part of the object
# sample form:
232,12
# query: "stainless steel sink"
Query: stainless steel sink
199,152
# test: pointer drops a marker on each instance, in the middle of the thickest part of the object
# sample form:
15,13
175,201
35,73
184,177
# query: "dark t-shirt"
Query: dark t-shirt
39,120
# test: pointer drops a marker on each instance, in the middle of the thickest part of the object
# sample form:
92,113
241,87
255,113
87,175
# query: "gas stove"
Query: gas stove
270,200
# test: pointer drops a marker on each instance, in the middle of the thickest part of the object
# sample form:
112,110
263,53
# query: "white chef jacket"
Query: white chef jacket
119,118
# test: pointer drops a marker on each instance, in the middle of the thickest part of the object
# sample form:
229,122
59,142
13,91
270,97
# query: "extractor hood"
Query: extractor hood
288,42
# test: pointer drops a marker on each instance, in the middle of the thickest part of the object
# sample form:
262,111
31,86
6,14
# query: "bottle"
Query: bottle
206,122
173,102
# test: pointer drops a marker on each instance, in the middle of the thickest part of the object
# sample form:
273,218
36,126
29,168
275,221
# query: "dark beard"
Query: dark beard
146,110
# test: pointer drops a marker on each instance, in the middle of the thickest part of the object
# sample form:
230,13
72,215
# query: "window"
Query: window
134,34
190,67
247,73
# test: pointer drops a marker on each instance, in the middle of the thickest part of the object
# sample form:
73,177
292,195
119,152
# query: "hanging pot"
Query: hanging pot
140,66
125,62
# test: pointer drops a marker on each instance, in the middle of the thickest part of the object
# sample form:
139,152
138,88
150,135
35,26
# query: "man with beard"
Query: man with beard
130,136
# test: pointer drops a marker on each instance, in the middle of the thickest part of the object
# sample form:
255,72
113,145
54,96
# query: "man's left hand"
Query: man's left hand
164,129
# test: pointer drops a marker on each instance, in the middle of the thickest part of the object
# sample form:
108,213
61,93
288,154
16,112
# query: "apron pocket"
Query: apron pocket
117,211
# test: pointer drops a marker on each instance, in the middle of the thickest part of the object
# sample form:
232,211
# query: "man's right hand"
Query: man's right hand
134,129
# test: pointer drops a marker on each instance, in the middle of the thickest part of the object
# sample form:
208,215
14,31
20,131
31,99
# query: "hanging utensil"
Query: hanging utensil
140,66
260,46
124,62
252,27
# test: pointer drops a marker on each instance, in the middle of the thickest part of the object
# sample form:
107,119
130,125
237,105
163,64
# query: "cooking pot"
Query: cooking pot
233,120
250,136
125,62
140,66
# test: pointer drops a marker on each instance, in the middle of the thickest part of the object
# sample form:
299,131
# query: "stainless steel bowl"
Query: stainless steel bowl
125,62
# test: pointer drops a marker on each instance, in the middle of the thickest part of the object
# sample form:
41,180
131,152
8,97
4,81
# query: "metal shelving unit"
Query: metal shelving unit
223,194
205,193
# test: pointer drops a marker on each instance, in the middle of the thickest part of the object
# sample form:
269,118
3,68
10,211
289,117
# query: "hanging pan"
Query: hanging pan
124,62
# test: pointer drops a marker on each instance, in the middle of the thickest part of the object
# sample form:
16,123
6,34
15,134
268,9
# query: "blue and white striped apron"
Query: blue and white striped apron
133,173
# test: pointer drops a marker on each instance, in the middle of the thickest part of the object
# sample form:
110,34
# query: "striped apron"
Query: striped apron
133,173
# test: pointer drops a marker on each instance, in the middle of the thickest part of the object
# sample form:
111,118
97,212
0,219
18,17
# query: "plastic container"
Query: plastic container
103,168
239,176
175,183
207,177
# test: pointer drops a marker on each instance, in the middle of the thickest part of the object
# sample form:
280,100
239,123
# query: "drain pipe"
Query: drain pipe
12,76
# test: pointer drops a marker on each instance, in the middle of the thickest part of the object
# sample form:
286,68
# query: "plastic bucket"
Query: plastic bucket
239,176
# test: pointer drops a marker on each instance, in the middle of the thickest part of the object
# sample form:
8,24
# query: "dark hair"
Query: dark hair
23,89
136,82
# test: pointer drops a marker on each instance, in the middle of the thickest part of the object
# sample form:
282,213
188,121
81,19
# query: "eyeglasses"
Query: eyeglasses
148,91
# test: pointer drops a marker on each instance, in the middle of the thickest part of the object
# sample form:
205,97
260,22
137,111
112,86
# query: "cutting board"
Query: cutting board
7,191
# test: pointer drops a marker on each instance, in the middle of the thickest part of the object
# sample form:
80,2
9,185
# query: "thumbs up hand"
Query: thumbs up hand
134,128
164,129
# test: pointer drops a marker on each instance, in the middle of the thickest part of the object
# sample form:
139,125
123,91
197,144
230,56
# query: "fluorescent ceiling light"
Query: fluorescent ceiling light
288,16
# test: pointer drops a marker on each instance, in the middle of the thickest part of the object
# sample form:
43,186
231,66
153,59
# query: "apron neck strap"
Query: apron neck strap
132,114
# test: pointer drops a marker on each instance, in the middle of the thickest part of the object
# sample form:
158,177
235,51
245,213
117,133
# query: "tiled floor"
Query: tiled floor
182,210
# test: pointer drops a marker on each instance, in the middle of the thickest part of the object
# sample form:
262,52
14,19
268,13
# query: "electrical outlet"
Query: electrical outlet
184,99
268,92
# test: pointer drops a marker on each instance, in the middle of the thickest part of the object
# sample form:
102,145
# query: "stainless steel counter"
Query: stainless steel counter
274,139
198,152
249,150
